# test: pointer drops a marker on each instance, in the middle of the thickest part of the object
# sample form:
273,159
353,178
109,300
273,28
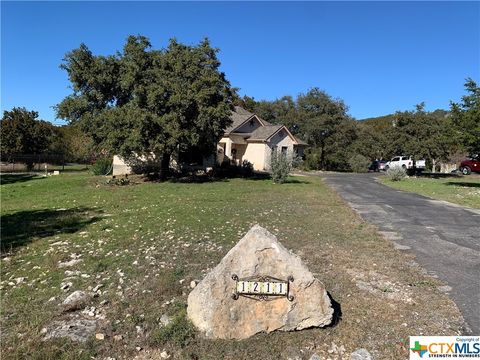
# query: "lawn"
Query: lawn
145,243
464,190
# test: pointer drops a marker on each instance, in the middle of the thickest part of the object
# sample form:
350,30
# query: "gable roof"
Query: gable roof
240,116
264,132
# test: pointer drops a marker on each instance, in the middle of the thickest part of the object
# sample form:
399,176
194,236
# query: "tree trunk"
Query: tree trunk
164,166
433,165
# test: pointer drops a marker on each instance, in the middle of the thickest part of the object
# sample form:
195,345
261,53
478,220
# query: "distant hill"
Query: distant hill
384,119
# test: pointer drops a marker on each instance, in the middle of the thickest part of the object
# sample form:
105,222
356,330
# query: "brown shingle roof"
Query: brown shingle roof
239,116
264,132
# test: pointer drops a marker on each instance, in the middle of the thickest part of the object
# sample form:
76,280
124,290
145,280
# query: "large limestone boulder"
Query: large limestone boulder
216,314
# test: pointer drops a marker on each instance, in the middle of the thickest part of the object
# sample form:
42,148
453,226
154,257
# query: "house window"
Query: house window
284,150
251,123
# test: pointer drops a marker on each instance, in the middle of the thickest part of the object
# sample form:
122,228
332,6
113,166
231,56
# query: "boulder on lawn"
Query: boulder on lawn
75,301
258,256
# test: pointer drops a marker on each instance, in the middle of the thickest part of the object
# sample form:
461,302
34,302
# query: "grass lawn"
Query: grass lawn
144,243
463,190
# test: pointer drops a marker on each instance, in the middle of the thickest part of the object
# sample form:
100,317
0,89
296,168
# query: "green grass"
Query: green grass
463,190
140,241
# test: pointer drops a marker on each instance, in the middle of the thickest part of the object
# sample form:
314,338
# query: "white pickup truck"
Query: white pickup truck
405,162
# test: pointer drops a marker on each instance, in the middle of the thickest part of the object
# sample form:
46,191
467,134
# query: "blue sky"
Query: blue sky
378,57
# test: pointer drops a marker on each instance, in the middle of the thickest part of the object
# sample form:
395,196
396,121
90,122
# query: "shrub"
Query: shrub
229,170
359,163
396,173
102,166
280,167
179,331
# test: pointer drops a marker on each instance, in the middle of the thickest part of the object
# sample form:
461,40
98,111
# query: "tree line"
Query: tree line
338,141
144,101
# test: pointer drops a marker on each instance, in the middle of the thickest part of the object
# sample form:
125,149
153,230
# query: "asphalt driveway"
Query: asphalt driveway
444,237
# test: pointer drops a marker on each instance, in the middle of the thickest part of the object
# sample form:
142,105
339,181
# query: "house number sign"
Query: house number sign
262,288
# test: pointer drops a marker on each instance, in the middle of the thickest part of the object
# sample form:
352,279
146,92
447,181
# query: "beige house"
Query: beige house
253,139
248,138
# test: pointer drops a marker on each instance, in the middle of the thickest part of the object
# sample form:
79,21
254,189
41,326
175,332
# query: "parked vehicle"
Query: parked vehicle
377,165
406,162
382,164
470,164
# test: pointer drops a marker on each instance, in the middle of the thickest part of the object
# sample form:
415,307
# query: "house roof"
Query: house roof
239,116
264,132
300,141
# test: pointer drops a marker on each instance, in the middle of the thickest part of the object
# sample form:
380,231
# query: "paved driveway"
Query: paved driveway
444,237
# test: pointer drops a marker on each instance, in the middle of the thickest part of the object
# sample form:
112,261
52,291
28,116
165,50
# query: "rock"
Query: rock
165,320
96,288
164,355
315,357
193,283
117,337
69,263
65,285
216,314
75,301
75,330
361,354
181,281
100,336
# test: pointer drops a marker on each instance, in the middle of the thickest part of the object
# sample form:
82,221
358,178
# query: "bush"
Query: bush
359,163
102,166
280,167
179,331
228,170
396,173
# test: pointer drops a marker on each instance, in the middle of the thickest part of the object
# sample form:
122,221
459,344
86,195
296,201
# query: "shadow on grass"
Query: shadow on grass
20,228
464,184
337,311
14,178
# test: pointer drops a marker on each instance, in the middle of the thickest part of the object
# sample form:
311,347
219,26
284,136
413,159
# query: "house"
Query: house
251,138
248,138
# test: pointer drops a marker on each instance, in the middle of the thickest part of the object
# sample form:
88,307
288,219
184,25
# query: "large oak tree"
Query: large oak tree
142,101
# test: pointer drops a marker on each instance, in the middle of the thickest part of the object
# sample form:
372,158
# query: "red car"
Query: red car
470,164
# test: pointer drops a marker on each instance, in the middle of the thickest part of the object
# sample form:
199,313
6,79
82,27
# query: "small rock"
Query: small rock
165,320
164,355
444,288
75,301
315,357
20,280
193,283
96,288
139,330
360,354
100,336
138,348
182,281
69,263
43,331
75,330
118,337
65,286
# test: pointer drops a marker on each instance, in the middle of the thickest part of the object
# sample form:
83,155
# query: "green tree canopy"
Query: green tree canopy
22,133
465,118
145,101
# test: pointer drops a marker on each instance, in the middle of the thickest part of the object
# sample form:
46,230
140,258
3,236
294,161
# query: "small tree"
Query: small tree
281,164
396,173
22,133
465,118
